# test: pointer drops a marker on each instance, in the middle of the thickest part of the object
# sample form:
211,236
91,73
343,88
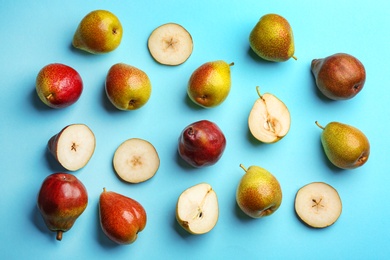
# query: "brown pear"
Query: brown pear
340,76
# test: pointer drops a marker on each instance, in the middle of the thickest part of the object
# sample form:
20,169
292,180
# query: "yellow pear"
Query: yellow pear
259,193
100,31
209,85
272,38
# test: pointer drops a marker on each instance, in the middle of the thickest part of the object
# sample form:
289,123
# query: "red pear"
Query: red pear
61,200
121,217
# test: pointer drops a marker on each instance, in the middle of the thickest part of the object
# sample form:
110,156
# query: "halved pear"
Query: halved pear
269,120
73,146
197,209
170,44
318,204
136,160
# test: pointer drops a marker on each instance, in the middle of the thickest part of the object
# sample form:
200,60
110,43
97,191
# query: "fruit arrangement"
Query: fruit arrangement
200,144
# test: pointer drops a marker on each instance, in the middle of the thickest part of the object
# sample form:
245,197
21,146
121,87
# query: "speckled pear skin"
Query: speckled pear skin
259,193
345,146
272,38
209,85
99,32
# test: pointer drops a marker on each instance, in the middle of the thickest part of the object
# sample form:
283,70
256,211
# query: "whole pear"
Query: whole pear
127,87
100,31
339,76
62,198
121,217
259,193
209,85
345,146
272,38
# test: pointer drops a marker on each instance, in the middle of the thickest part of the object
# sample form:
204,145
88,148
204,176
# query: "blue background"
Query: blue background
36,33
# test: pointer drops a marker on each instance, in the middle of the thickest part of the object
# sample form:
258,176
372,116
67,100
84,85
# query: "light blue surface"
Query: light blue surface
35,33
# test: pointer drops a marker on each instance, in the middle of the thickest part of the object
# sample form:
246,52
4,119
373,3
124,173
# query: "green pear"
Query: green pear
344,145
210,84
259,193
100,31
127,87
272,38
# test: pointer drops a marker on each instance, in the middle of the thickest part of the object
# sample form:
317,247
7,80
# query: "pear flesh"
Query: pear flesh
197,209
209,85
259,193
269,120
272,38
318,205
345,146
170,44
136,160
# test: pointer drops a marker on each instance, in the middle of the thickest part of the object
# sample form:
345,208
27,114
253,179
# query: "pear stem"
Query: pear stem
231,64
258,91
104,189
320,126
59,235
243,167
295,58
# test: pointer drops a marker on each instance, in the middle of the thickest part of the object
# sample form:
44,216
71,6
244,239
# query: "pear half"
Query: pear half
318,204
197,209
269,120
136,160
170,44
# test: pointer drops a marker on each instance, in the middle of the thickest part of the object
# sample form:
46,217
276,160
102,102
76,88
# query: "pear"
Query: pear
269,120
127,87
318,205
170,44
344,145
259,193
340,76
210,84
100,31
121,217
272,38
197,209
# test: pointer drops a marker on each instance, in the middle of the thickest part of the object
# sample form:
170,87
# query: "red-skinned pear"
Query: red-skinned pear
127,87
61,200
259,193
201,143
99,32
73,146
121,217
58,85
339,76
209,85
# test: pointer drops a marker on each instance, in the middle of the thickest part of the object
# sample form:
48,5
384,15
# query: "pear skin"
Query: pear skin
345,146
272,38
210,84
259,193
99,32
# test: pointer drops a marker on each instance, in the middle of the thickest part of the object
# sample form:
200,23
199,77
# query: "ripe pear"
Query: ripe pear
344,145
259,193
272,38
209,85
100,31
127,87
339,76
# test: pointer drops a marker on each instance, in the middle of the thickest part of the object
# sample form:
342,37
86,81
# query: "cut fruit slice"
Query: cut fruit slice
197,209
136,160
73,146
269,120
318,204
170,44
